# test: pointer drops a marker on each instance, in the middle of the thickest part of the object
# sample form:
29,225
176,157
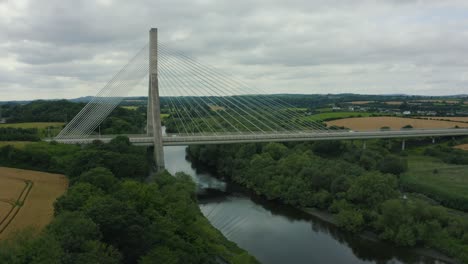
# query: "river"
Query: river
276,233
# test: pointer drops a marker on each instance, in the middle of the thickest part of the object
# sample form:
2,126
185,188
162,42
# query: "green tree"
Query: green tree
350,219
372,188
100,177
393,164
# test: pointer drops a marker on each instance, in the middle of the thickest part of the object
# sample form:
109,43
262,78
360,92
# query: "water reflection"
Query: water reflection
275,233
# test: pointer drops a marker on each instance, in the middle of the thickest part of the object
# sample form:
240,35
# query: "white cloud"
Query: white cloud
60,48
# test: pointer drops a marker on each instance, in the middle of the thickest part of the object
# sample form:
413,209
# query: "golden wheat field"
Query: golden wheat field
462,146
27,197
360,102
394,123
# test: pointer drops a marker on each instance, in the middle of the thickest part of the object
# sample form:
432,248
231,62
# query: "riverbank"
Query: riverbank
369,235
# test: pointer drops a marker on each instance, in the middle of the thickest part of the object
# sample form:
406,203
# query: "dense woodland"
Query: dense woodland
359,186
111,214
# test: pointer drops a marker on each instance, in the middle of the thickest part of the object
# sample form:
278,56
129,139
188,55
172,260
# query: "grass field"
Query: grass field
44,128
38,125
130,107
26,198
335,115
394,123
435,178
16,144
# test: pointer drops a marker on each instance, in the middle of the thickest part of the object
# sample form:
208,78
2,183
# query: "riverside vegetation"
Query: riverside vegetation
362,188
110,215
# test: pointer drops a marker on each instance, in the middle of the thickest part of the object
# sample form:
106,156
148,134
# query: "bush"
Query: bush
350,220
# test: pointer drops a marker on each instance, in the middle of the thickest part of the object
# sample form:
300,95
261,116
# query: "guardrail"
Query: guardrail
225,138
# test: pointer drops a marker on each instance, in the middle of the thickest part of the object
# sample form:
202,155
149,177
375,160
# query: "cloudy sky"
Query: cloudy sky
71,48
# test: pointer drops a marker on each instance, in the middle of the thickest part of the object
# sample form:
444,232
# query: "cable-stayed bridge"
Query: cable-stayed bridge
206,106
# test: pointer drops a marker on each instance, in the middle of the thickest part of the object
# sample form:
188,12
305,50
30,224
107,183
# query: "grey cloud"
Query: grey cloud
70,48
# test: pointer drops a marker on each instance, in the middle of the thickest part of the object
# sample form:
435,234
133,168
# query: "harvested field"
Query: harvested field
462,147
450,118
360,102
394,123
438,101
27,197
394,102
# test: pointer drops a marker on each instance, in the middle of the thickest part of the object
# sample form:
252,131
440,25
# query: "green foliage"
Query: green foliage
100,177
448,154
43,111
118,219
393,164
372,188
350,220
18,134
360,187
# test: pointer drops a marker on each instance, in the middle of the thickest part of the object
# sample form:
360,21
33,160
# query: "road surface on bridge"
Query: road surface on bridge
220,138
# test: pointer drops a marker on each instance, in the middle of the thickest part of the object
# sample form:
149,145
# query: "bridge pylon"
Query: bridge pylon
154,107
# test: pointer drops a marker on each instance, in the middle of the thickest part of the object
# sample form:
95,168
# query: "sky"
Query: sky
70,48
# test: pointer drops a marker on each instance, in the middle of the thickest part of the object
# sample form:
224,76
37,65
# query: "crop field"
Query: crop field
438,101
335,115
394,123
26,198
394,102
361,102
462,147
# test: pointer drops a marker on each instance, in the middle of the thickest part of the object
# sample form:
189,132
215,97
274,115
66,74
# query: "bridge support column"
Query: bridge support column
403,145
364,146
154,111
433,140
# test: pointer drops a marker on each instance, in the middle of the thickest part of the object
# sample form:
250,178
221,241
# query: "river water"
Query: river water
275,233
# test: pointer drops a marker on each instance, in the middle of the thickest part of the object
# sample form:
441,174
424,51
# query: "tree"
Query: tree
276,150
100,177
393,164
351,220
372,188
76,197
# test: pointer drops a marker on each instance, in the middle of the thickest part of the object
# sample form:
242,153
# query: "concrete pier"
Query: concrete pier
154,111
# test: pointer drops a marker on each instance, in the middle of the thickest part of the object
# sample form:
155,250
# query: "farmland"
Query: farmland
462,147
335,115
395,123
26,198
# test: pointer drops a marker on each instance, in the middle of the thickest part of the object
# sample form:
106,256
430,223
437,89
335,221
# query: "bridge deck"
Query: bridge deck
178,140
